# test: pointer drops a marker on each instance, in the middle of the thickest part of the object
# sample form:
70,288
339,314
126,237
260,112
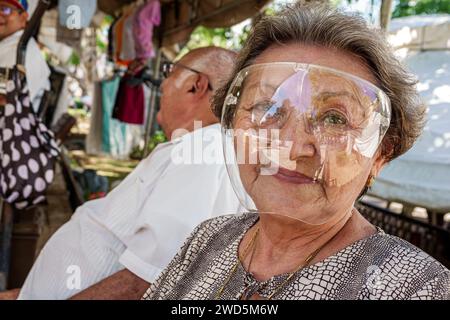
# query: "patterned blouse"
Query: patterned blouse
380,266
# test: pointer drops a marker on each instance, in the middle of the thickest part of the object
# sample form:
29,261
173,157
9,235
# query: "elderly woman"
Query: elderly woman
316,107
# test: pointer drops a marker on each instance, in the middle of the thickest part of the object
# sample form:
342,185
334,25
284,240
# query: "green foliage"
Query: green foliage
74,59
204,37
271,10
230,38
414,7
107,20
102,46
219,37
102,34
157,138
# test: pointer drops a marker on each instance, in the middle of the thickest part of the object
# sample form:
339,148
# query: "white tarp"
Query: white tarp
421,177
424,32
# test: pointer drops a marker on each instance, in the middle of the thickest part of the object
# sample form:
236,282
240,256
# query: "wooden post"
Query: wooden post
385,13
151,113
6,226
435,218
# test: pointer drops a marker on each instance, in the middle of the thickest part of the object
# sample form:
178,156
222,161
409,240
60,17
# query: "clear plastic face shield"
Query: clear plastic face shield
299,139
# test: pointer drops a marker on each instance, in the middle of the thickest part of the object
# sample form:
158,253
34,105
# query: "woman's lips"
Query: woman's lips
293,177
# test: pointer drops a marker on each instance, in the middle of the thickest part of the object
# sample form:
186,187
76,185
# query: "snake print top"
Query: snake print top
380,266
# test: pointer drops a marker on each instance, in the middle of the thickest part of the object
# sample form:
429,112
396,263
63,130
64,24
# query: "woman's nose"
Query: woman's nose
302,142
302,147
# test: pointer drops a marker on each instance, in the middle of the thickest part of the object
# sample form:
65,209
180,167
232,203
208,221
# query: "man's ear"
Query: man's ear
200,85
24,19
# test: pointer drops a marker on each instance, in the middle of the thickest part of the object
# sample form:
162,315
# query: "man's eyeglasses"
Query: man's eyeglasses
167,69
7,11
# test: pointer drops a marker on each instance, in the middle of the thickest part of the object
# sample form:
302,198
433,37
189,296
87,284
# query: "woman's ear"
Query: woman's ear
378,164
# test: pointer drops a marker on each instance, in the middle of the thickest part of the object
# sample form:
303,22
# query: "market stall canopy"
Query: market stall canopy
421,177
180,17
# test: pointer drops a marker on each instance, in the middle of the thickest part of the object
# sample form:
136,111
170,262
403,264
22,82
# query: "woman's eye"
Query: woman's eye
262,110
272,115
334,118
263,107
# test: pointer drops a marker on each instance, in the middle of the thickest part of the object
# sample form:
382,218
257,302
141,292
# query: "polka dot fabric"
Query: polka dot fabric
27,148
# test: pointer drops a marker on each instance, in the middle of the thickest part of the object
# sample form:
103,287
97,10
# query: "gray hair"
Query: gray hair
321,25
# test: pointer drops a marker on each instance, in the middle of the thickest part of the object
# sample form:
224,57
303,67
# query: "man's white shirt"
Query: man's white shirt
37,70
141,224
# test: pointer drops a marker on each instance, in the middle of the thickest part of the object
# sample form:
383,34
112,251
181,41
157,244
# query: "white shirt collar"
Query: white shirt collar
12,38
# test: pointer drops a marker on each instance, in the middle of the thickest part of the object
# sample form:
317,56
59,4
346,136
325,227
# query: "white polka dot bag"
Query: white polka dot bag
27,147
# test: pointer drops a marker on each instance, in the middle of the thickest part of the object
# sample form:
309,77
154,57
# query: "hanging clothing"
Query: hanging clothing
113,132
146,18
37,70
129,107
118,31
131,35
108,136
76,14
128,51
111,40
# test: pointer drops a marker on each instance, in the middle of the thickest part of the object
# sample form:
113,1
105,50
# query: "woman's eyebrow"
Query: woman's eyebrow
358,105
261,80
259,84
325,95
332,94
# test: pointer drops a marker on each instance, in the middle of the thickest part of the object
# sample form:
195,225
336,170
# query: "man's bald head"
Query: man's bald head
186,95
215,62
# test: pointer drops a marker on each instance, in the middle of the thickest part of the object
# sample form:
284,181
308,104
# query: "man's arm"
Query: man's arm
9,295
123,285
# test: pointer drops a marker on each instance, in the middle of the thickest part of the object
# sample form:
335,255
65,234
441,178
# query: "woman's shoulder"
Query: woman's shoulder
222,230
236,222
406,267
404,253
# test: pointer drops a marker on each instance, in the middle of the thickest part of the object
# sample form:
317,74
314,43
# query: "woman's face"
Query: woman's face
292,190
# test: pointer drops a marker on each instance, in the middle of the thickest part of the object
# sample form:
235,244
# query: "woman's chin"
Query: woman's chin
298,188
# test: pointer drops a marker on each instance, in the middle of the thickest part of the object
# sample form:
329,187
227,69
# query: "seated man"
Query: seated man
13,20
129,236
